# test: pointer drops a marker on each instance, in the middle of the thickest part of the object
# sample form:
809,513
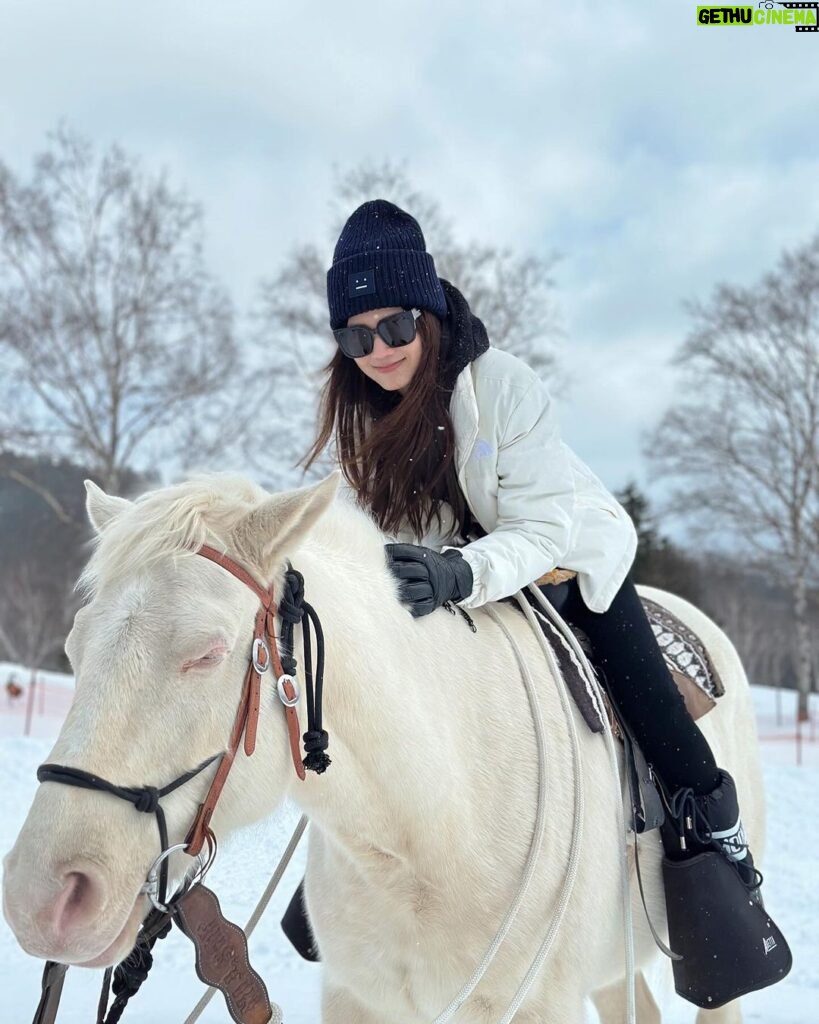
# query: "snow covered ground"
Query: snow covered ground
173,989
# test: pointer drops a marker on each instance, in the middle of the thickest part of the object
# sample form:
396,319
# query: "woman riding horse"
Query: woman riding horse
454,448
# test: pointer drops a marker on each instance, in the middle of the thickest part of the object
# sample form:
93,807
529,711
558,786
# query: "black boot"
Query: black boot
727,943
695,824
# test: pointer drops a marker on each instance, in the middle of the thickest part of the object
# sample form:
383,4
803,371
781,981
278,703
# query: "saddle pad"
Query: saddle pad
683,651
578,686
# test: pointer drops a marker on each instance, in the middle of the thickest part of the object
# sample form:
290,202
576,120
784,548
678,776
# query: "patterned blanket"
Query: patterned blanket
683,651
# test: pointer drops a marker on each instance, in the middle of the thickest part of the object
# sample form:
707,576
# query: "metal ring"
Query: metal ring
289,702
151,885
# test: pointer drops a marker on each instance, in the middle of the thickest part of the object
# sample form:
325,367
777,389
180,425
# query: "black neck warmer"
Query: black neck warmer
463,337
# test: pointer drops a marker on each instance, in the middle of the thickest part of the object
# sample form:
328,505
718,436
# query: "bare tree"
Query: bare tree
743,436
512,293
35,615
115,342
754,611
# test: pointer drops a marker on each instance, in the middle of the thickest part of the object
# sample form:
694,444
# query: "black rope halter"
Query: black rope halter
292,609
128,975
144,798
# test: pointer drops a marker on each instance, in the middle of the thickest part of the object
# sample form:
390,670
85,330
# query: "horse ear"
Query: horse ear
282,520
102,507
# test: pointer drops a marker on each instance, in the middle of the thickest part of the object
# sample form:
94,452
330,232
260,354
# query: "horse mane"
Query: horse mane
174,521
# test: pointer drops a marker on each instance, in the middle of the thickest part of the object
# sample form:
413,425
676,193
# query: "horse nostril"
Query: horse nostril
76,902
77,885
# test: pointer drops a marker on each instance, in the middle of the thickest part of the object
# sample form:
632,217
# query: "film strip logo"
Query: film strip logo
766,4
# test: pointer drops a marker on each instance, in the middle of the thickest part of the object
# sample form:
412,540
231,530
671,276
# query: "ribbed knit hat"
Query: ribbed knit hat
381,260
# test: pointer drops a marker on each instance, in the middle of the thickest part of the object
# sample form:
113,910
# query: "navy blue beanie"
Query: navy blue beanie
381,260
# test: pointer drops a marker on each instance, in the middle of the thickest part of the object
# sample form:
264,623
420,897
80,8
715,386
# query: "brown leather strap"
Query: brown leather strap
236,570
201,823
294,732
247,714
254,700
556,576
291,715
255,681
222,957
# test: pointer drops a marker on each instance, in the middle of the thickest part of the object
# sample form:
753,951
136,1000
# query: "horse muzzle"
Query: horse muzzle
68,913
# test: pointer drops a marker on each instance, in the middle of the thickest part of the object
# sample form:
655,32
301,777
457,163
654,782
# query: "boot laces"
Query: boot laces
684,809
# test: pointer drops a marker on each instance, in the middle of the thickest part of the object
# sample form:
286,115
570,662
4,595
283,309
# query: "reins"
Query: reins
625,888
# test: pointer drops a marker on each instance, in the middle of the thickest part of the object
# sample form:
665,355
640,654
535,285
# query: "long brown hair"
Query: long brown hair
396,451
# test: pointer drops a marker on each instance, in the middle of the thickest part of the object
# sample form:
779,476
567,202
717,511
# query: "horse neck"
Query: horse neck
387,757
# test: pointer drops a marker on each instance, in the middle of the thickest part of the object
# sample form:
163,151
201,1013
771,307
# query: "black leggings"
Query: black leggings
637,677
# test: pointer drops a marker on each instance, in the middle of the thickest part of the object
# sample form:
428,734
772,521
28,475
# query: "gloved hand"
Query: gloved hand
428,578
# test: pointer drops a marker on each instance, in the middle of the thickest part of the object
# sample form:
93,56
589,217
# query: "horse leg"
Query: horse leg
339,1006
728,1014
610,1004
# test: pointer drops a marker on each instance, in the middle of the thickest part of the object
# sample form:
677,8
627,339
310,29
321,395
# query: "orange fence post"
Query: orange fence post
30,703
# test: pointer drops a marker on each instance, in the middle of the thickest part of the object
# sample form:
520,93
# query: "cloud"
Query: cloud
657,155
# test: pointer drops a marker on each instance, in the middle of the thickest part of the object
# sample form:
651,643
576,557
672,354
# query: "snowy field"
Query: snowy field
244,864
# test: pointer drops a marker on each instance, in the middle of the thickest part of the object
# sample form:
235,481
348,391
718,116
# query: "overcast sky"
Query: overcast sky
656,155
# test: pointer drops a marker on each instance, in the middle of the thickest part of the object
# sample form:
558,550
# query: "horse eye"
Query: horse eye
214,656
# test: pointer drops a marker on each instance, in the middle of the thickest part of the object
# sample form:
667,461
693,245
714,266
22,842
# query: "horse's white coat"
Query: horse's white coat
422,823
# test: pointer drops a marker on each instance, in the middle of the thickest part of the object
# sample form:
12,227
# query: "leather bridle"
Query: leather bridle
264,653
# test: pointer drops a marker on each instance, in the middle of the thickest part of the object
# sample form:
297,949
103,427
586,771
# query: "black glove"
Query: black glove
428,578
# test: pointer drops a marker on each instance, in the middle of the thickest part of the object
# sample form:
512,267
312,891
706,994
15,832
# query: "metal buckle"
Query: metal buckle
261,664
288,701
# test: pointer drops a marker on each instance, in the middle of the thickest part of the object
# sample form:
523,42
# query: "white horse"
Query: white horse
421,826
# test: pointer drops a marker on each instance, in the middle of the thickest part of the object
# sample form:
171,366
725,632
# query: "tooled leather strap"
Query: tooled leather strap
247,714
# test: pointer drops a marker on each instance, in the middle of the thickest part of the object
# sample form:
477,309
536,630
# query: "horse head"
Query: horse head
160,652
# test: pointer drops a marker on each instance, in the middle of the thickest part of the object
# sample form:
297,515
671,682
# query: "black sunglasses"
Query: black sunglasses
397,329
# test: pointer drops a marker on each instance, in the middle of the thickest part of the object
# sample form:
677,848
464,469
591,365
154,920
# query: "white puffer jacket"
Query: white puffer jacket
541,505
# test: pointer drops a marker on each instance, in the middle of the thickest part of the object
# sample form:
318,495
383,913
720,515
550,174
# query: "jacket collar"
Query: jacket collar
463,409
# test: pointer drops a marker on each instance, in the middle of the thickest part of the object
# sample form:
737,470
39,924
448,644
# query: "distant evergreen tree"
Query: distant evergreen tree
43,546
745,599
658,562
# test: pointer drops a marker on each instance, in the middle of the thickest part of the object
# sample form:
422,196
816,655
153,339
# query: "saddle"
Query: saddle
690,667
683,651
